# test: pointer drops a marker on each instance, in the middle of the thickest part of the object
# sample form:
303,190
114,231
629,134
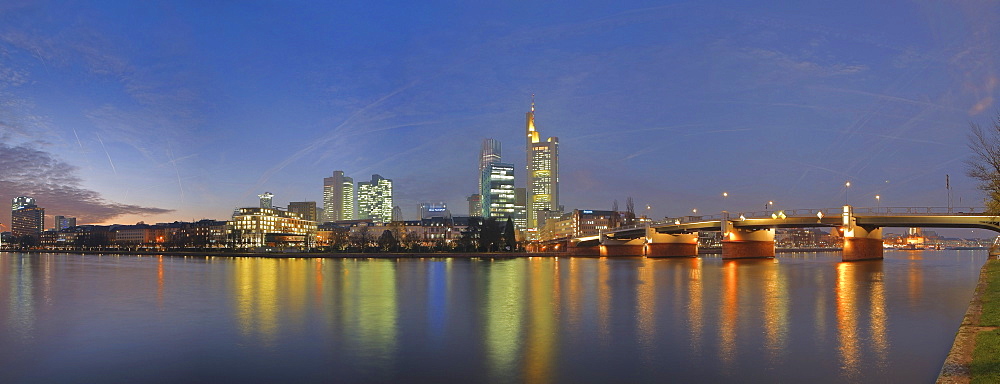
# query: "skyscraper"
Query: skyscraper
306,209
26,217
543,171
498,190
489,152
338,197
375,199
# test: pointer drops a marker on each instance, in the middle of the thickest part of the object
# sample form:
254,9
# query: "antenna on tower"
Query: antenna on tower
532,102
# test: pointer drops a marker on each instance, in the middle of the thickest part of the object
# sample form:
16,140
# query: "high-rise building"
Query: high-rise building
338,197
489,152
265,200
429,210
543,172
63,222
26,217
497,193
375,199
306,209
476,203
520,216
397,213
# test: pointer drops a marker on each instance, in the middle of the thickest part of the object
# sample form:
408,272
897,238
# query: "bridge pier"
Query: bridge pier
742,243
671,245
860,243
614,247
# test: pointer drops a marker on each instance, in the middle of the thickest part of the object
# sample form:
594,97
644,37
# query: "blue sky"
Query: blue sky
163,111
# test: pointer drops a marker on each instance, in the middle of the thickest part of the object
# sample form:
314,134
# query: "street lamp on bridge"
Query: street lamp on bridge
878,203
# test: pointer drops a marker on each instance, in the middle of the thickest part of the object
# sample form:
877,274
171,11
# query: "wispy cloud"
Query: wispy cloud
26,170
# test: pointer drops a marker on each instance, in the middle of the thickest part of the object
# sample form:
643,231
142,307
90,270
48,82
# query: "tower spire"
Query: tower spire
532,102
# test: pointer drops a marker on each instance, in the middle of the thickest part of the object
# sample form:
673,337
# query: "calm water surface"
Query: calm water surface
799,317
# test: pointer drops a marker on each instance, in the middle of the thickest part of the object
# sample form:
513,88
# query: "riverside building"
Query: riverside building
26,217
375,199
338,197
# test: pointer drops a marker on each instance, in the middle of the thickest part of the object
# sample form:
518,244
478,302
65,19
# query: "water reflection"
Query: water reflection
483,320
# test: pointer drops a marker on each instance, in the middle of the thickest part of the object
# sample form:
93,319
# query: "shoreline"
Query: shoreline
956,367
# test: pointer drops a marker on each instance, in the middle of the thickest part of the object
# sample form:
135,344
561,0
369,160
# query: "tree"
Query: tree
629,211
509,238
387,241
985,162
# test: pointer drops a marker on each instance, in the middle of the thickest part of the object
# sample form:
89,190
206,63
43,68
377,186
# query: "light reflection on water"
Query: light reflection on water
803,316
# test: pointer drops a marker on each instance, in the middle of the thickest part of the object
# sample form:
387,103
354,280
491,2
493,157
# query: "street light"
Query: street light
878,203
847,193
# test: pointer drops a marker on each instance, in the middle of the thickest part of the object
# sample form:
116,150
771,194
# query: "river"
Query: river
801,317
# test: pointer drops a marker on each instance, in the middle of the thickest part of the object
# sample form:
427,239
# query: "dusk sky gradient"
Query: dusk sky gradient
183,110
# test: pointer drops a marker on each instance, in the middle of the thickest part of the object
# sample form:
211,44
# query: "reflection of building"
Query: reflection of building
306,209
268,227
375,199
26,217
338,197
498,190
543,172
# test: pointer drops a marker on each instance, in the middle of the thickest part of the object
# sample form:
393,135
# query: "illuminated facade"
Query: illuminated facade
338,197
498,190
578,223
543,172
375,199
489,153
26,217
268,227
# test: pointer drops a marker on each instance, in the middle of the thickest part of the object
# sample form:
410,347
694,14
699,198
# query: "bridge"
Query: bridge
751,235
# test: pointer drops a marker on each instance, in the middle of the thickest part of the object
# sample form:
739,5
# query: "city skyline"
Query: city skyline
160,112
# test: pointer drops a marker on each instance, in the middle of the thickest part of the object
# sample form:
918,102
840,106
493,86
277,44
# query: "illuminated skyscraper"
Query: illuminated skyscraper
26,217
543,171
498,190
375,199
338,197
489,152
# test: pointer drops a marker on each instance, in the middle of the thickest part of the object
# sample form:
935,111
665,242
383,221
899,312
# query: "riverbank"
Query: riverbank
295,255
975,355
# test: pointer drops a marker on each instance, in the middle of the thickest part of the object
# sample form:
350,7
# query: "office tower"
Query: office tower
397,213
26,217
489,152
429,210
265,200
306,209
520,216
63,222
338,197
476,203
543,171
375,199
497,194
